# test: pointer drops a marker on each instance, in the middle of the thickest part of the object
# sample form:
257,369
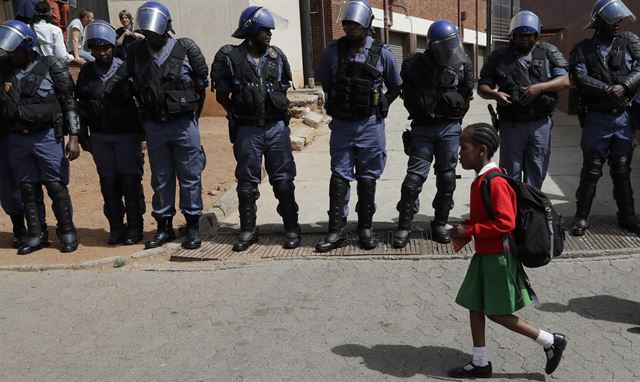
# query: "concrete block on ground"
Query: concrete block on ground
299,112
313,119
297,143
305,133
303,100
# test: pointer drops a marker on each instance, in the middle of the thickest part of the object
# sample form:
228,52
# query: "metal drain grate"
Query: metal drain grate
599,239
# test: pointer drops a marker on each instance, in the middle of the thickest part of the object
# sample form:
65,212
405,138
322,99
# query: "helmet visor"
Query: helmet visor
448,51
614,11
357,12
152,19
10,38
271,20
525,21
100,31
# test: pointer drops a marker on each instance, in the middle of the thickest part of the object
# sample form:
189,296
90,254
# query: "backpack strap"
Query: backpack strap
485,188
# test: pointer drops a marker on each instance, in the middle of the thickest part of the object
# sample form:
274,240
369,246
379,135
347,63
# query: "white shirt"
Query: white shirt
51,41
487,167
75,24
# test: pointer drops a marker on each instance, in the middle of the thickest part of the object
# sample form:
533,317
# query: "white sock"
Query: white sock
545,339
480,356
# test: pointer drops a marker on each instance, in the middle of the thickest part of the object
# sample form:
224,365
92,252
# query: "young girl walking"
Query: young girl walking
493,287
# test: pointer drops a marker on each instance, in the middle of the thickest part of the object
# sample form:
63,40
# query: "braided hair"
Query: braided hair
485,134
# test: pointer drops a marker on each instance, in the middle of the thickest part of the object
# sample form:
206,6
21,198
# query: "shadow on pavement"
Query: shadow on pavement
604,308
406,361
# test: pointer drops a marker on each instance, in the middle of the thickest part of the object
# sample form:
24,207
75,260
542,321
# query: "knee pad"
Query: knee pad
592,169
366,187
620,167
283,189
338,185
247,190
413,182
56,189
446,182
29,192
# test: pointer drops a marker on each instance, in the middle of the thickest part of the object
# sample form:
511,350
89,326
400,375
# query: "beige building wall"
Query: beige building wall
211,22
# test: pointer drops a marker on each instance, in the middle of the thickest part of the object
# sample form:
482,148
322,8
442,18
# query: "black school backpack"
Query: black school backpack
539,232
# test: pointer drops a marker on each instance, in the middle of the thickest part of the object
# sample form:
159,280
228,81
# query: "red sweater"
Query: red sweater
487,233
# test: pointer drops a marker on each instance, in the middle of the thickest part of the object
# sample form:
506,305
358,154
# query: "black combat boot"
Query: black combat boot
164,232
336,237
113,208
247,196
37,236
284,191
63,210
589,176
620,168
19,230
134,207
366,208
192,238
411,188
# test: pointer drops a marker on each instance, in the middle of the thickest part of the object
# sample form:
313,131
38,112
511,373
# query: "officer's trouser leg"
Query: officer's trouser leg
113,208
37,236
247,196
589,176
620,169
133,193
442,204
63,210
336,237
284,190
366,207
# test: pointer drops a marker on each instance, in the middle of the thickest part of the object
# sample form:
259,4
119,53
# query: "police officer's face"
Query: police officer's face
156,41
263,38
19,57
611,29
524,39
102,53
353,30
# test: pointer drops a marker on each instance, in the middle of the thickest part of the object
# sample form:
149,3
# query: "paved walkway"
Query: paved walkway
314,320
312,182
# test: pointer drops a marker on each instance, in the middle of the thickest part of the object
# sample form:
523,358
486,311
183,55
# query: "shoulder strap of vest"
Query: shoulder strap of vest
343,56
30,83
619,44
540,54
117,76
371,61
173,63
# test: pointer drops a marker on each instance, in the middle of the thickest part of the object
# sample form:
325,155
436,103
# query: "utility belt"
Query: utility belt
30,128
430,121
612,110
259,121
163,116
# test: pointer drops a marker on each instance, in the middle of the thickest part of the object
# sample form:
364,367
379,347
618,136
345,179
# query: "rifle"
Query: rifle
495,121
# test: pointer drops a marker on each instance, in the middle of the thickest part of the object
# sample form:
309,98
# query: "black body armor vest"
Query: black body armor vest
611,70
354,93
22,109
163,93
430,91
517,77
258,97
109,105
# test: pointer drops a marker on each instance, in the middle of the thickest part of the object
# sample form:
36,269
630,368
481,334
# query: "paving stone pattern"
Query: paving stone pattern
306,320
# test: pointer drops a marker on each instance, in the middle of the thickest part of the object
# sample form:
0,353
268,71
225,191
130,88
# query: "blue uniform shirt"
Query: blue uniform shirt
115,64
386,64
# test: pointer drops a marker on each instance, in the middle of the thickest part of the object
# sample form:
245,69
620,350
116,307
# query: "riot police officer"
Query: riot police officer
9,185
437,89
170,77
105,95
528,74
352,71
40,90
251,80
606,72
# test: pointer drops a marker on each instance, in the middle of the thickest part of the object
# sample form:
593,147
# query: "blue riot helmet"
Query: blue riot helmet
524,22
610,12
445,43
154,17
357,11
16,34
99,32
255,18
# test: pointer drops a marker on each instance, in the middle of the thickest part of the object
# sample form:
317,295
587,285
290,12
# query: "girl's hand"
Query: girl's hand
458,231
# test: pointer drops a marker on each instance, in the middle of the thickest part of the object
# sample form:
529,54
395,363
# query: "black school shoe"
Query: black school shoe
554,352
471,371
